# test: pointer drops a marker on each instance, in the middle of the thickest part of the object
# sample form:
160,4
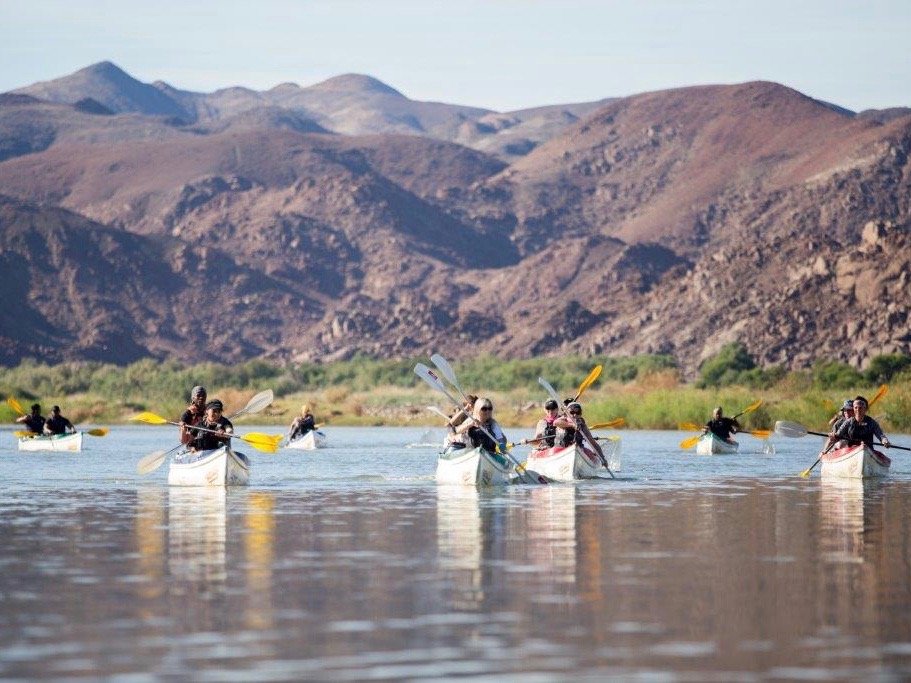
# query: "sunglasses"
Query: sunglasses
575,412
486,408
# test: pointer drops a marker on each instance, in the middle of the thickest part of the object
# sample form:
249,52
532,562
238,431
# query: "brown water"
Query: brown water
674,572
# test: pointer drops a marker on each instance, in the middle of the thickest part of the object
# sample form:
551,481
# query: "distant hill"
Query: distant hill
666,222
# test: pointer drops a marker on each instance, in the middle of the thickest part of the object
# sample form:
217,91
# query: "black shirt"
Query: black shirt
206,441
35,423
58,425
723,427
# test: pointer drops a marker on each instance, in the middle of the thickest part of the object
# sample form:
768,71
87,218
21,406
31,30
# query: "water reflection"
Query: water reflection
149,531
197,529
460,541
259,547
551,529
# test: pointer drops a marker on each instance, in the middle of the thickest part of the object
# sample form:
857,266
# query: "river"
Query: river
350,563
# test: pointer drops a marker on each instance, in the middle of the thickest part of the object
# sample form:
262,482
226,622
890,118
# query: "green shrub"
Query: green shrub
835,375
725,367
883,368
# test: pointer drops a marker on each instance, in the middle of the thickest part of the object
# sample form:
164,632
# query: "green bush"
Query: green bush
883,368
725,367
835,375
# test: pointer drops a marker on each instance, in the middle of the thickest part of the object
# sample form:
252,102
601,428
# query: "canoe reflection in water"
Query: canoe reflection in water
197,521
550,526
471,537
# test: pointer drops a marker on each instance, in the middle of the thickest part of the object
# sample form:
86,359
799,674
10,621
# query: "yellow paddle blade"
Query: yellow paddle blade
761,433
150,418
689,427
588,381
750,408
24,433
268,443
100,431
882,391
14,404
806,473
689,443
611,424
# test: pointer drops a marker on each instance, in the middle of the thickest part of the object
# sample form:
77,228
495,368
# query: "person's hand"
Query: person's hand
887,443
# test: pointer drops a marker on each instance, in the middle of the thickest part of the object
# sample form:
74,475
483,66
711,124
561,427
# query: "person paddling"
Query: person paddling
546,430
572,429
213,420
34,421
721,426
846,413
861,428
303,424
481,420
193,415
457,418
57,424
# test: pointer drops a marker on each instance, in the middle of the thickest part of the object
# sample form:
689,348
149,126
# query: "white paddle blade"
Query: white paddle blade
261,401
444,367
550,390
790,429
431,378
437,411
150,462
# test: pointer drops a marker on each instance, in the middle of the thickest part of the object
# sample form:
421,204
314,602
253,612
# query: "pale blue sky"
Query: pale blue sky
499,54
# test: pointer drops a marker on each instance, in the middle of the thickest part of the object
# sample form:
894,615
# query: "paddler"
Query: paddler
572,429
303,424
546,430
57,424
193,415
721,426
860,428
34,421
214,421
481,420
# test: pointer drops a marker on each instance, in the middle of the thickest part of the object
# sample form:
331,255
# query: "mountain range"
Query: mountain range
313,223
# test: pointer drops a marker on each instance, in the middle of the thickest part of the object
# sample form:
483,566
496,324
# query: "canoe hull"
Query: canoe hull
855,462
310,441
566,464
473,467
65,443
219,467
710,444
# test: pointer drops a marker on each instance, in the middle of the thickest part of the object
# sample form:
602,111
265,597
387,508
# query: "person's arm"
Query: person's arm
69,425
465,426
22,418
878,431
564,422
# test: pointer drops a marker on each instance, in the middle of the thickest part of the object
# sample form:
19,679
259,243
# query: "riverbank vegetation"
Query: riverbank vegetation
646,390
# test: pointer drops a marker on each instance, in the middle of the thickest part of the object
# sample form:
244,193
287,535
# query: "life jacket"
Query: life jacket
480,439
549,431
568,437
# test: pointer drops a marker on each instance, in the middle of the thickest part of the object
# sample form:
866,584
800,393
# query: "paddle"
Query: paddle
553,394
14,404
806,473
434,382
268,443
882,391
749,409
610,424
99,431
588,381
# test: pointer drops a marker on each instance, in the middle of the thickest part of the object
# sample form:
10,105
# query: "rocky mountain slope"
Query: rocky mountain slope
669,222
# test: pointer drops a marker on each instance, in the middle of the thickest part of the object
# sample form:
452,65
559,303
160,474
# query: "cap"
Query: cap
198,391
848,404
574,406
551,405
215,403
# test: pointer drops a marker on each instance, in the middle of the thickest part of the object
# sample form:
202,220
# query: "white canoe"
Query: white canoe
855,462
58,442
710,444
310,441
566,464
219,467
473,467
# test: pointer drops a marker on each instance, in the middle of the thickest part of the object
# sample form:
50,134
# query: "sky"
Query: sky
496,54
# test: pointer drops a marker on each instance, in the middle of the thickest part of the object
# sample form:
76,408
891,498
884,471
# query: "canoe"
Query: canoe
310,441
855,462
473,467
58,442
218,467
566,464
710,444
